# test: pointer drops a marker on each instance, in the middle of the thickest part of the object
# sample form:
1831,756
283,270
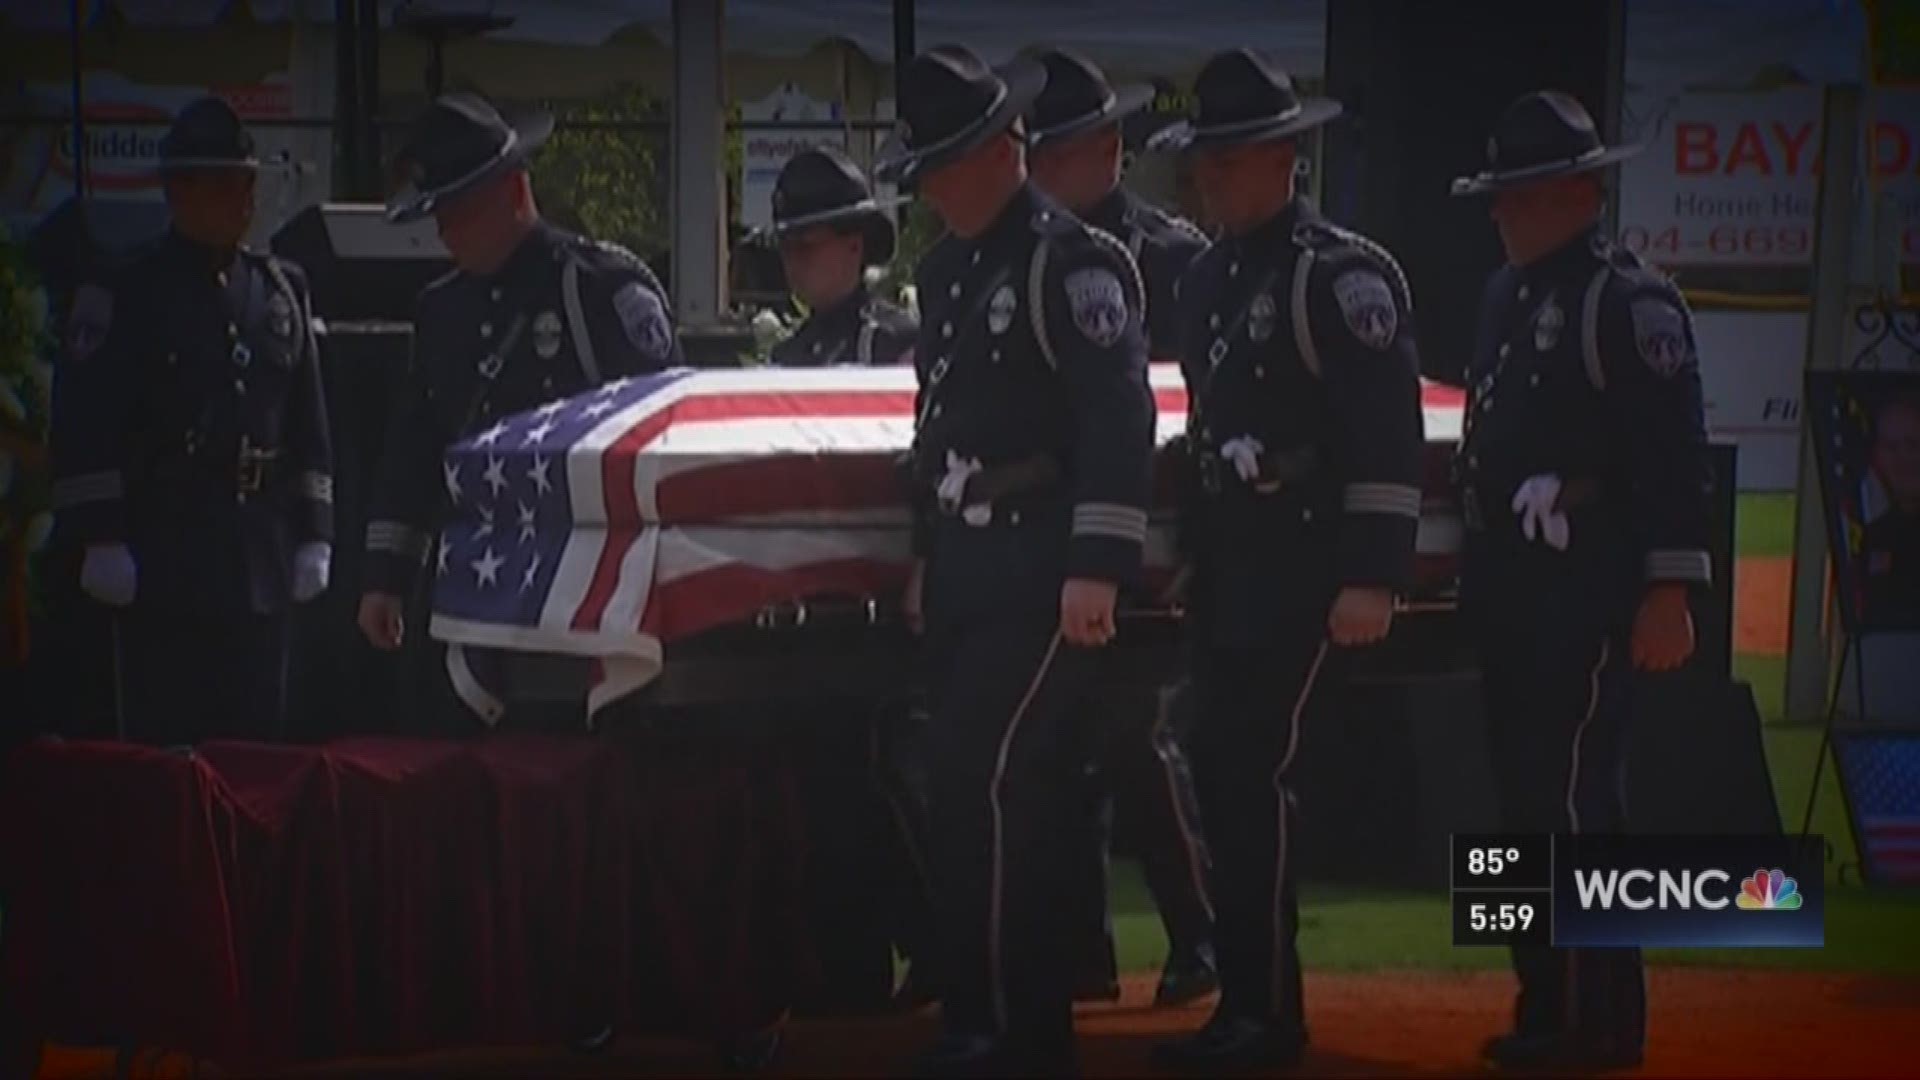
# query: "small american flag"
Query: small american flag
1882,775
613,523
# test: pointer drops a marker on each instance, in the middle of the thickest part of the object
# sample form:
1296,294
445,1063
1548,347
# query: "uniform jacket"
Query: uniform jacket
1298,342
1585,368
1163,246
860,330
197,432
1031,347
563,315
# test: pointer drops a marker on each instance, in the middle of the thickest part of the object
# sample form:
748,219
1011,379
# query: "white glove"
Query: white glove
1535,503
953,486
1245,453
108,574
312,569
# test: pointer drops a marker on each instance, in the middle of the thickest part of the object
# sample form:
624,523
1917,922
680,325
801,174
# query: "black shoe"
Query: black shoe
1187,978
1235,1042
594,1042
1526,1052
750,1053
985,1055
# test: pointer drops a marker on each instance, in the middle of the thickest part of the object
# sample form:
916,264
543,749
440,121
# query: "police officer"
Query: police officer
530,314
1305,431
1032,459
1891,542
1075,149
830,229
192,456
1583,477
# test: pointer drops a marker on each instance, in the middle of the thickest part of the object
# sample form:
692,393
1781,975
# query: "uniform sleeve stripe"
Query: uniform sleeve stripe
87,488
394,538
1692,566
1110,519
1402,500
317,487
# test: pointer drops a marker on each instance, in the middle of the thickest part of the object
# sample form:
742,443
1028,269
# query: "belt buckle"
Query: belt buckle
251,474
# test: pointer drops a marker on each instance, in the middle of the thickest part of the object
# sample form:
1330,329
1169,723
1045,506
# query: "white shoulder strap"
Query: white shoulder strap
577,320
1590,327
1036,293
1302,324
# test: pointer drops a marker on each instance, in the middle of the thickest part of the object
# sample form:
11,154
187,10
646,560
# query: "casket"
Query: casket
657,512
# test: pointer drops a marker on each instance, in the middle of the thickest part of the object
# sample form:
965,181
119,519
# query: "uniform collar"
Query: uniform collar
848,308
1113,212
535,251
199,256
1569,256
1015,221
1276,230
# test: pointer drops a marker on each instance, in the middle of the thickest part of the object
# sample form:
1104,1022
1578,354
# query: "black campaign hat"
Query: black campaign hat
207,134
1077,98
1244,97
1542,135
950,103
822,187
460,141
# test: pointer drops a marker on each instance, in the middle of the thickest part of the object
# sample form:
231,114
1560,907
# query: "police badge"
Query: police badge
1000,309
644,320
1261,315
546,335
1547,324
1660,331
1367,304
1099,306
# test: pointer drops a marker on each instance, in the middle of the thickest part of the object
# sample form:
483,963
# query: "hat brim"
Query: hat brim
1024,79
412,204
870,215
1187,135
1125,102
1487,182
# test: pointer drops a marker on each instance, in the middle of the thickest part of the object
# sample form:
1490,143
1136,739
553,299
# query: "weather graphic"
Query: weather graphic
1769,890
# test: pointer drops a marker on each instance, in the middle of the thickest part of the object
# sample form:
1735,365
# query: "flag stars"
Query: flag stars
538,475
533,570
446,549
491,435
496,474
486,523
486,568
550,409
537,433
526,523
596,409
452,473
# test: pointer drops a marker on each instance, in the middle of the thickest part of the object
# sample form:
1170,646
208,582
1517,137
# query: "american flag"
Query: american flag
1882,776
611,524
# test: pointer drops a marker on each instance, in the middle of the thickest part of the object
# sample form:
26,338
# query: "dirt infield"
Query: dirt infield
1705,1023
1762,600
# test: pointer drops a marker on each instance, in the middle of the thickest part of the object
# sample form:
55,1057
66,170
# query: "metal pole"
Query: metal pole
699,163
903,48
79,103
1809,655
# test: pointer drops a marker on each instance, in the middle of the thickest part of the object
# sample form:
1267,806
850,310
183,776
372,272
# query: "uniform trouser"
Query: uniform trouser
1557,713
1003,761
1252,703
190,676
1139,770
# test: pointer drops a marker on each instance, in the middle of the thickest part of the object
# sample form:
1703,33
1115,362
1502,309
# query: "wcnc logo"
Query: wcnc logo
1712,891
1643,889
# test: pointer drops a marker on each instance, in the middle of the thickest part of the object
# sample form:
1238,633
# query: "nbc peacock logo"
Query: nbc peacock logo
1769,890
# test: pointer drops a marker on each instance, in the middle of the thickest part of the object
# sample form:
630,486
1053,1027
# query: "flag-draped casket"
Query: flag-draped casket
613,524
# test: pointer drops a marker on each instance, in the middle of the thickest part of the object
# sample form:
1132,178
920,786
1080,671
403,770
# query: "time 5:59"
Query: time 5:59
1499,918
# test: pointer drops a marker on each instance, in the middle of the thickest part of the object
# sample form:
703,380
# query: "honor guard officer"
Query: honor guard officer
1583,478
192,454
1075,149
530,314
830,229
1032,458
1305,436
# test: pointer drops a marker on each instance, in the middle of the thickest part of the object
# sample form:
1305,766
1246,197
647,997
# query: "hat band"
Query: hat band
1237,127
816,217
1582,158
965,133
430,198
1106,106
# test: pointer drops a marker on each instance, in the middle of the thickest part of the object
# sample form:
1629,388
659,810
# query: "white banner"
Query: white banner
766,150
1731,179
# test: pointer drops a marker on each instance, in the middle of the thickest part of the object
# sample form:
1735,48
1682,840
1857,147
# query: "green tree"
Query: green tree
605,179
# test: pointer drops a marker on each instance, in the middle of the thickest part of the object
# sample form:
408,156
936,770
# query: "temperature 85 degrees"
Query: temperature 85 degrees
1491,861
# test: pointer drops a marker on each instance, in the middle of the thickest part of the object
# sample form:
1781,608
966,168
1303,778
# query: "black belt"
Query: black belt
1284,468
982,501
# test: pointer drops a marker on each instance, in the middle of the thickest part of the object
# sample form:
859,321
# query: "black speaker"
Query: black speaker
1424,83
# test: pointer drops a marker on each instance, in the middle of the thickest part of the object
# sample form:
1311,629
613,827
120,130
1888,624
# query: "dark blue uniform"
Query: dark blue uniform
861,330
196,436
1305,430
1139,750
1032,365
1584,370
562,316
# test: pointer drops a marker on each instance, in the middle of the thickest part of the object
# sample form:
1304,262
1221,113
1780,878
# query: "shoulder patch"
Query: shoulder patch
1660,335
1366,302
644,319
1098,303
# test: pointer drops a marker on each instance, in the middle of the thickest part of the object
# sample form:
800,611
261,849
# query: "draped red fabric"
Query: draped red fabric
256,905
